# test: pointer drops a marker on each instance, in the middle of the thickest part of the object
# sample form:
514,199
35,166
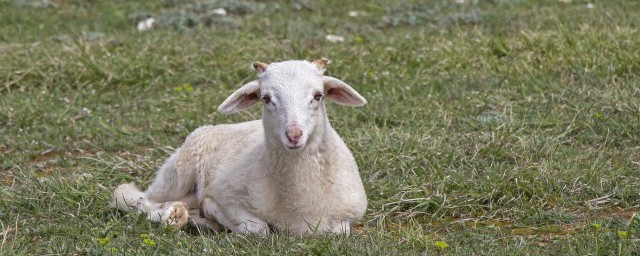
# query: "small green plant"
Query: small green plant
103,241
186,87
147,240
622,234
598,115
441,245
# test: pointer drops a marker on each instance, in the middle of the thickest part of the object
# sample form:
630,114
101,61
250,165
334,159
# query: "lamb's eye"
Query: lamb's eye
266,99
318,96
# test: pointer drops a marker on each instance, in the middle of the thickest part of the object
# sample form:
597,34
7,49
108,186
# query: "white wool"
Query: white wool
290,170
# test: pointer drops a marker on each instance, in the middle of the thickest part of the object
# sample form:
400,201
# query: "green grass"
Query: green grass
493,127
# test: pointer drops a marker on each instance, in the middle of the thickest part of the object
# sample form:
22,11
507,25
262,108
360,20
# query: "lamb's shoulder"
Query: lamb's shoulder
240,170
243,183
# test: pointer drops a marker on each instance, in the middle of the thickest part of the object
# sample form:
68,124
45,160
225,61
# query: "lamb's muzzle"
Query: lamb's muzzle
293,134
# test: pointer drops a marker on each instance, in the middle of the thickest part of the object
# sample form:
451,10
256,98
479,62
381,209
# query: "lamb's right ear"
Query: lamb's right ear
241,99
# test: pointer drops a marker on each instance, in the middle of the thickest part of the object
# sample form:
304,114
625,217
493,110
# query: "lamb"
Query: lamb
289,171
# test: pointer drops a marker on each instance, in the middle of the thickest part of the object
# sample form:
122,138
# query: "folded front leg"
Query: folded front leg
234,217
175,214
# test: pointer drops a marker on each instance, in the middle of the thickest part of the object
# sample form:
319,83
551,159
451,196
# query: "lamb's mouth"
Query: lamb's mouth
294,147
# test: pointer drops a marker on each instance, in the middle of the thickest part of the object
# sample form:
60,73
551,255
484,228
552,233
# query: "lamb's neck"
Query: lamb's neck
295,169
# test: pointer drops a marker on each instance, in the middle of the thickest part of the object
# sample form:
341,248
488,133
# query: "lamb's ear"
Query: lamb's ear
241,99
341,93
260,66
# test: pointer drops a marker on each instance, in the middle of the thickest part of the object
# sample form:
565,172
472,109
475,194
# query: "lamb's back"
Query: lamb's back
210,146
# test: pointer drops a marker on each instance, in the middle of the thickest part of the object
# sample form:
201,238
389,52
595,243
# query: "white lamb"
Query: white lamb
289,171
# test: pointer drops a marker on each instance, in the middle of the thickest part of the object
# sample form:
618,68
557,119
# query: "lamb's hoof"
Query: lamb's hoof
175,214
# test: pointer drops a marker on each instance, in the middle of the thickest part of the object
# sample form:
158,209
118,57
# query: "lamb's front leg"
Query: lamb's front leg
234,217
175,214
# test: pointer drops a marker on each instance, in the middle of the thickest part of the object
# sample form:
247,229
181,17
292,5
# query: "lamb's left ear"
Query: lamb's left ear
341,93
241,99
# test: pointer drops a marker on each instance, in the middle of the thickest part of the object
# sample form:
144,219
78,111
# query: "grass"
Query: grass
493,127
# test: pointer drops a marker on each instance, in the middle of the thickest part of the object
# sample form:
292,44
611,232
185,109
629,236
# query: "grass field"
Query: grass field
494,127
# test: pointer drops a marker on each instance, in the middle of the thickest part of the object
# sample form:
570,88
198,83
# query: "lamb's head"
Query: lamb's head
293,94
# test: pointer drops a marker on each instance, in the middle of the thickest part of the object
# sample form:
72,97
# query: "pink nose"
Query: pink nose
293,134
